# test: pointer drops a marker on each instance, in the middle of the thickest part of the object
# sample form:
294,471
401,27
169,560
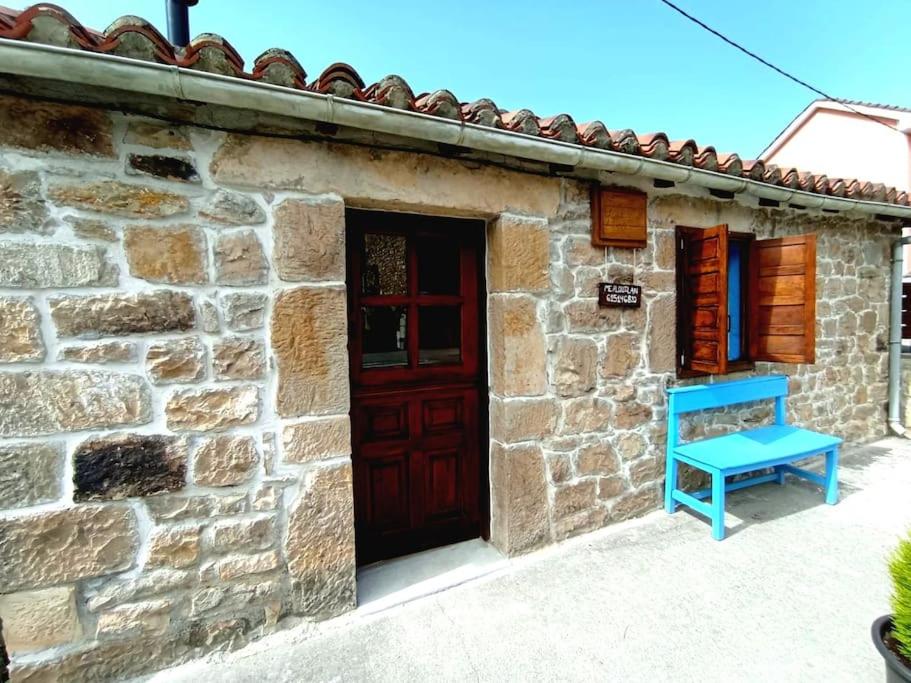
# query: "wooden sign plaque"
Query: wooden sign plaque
616,295
618,218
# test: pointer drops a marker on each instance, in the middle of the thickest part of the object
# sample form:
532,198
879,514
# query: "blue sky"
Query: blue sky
631,63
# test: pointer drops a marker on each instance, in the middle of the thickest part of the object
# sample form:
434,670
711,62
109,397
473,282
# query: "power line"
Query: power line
773,67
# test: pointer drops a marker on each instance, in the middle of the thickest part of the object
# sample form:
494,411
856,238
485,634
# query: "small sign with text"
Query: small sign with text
614,294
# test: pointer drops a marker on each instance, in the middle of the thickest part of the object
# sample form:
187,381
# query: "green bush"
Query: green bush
900,569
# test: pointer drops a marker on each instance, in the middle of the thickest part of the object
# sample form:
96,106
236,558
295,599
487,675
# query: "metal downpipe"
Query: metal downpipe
895,338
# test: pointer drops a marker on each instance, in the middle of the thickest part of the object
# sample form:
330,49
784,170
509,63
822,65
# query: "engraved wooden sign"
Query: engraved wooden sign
614,294
618,218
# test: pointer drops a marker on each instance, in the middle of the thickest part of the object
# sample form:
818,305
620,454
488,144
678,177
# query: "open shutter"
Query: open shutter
783,299
702,267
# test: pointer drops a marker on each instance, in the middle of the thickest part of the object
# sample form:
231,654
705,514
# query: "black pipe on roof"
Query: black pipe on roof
178,12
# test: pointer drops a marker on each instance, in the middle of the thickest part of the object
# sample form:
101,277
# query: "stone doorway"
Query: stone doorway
416,312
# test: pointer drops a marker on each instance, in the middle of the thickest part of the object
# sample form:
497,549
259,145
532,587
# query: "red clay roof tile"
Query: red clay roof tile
134,37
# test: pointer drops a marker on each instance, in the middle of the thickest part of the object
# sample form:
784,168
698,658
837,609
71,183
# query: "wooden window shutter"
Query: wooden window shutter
782,295
702,305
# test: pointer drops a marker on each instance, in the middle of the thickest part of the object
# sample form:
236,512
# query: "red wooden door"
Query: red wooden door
415,289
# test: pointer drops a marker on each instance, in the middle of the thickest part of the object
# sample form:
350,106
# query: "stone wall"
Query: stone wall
174,438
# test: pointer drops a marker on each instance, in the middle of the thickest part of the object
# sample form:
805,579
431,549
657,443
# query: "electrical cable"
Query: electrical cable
773,67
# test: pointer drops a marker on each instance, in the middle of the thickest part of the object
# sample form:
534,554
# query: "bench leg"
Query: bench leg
779,470
718,505
832,476
670,485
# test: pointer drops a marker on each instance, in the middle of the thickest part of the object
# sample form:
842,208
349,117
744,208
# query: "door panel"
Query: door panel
415,302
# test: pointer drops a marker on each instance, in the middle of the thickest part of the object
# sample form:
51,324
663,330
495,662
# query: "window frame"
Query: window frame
744,363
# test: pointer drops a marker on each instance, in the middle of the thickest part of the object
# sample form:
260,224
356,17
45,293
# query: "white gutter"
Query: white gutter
110,71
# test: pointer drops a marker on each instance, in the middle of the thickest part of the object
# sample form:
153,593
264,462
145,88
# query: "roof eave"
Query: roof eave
111,71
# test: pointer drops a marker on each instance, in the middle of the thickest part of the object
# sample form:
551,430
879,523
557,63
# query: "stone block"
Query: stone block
176,360
519,255
51,127
92,229
575,365
319,544
181,508
30,474
518,520
513,420
631,415
208,317
585,316
119,199
621,355
636,504
392,179
62,546
578,251
237,566
105,352
239,358
54,266
175,546
126,465
156,135
309,242
662,334
41,619
22,209
517,347
242,535
172,255
20,331
597,458
225,461
630,447
573,498
244,311
111,315
645,471
317,439
140,619
47,402
232,208
310,343
206,410
611,487
239,259
581,415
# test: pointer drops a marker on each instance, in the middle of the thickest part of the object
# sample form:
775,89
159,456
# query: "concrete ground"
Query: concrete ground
788,596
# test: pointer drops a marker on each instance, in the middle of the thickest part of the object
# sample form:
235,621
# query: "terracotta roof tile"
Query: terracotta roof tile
135,38
654,146
594,134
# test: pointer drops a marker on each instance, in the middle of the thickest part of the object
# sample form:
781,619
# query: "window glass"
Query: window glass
735,307
384,336
385,270
439,335
438,266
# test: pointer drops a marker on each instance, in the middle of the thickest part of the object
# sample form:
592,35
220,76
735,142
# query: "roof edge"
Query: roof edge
121,73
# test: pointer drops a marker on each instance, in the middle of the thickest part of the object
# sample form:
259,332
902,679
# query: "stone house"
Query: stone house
260,328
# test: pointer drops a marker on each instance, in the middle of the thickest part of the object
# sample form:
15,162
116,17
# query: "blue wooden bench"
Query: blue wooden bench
775,446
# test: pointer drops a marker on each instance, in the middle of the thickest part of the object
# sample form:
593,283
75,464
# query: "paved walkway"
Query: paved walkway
789,596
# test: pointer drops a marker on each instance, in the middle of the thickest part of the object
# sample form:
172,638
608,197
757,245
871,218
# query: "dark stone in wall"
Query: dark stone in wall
4,657
170,168
128,465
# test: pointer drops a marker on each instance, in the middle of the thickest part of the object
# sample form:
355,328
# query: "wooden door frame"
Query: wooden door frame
480,243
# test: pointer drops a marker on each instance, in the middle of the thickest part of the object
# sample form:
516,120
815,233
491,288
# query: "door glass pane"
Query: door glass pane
438,266
439,335
384,343
384,265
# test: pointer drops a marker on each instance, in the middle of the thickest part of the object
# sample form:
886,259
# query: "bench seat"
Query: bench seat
773,447
755,449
